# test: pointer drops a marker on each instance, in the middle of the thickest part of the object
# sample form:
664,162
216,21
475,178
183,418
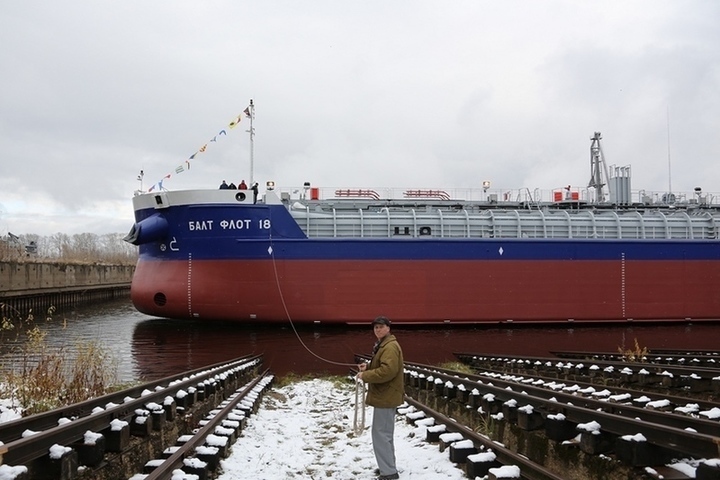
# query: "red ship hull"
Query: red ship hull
429,291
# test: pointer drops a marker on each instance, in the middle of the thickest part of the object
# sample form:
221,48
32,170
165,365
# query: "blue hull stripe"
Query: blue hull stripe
450,249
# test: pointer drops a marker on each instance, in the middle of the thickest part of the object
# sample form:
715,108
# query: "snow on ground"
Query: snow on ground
305,431
9,410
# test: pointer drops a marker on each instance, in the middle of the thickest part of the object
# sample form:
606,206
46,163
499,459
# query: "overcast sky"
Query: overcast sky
347,94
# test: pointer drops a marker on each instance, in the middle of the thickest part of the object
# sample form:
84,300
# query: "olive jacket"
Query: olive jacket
384,375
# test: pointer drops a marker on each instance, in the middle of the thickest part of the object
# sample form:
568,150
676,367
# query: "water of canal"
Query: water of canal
148,348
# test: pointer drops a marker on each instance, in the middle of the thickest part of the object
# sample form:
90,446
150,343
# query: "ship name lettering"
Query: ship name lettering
200,225
239,224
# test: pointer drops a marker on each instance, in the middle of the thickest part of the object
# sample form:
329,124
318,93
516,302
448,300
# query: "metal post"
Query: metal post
250,112
359,417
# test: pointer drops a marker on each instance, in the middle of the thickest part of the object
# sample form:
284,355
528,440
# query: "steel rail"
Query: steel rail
656,352
26,449
686,371
674,399
165,470
528,469
12,430
657,356
505,386
659,428
687,351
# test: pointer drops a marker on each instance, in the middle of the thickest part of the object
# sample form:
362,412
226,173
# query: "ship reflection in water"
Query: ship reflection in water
163,347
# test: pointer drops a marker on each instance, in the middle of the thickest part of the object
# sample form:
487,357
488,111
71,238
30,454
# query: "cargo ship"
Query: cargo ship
601,253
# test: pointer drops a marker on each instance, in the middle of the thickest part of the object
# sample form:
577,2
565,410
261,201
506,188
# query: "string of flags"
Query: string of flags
186,165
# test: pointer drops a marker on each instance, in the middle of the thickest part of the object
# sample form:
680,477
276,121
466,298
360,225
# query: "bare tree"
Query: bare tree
79,248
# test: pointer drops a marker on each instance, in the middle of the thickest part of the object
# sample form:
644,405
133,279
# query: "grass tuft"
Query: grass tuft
456,367
635,354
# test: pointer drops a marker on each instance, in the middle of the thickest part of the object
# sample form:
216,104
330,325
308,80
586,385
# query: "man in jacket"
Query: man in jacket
384,376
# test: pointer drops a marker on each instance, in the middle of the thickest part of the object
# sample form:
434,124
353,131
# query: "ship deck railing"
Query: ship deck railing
439,194
357,193
565,195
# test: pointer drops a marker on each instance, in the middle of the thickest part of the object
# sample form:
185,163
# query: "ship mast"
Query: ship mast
597,168
250,112
670,194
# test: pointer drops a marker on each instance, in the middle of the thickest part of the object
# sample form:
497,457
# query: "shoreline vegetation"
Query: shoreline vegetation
37,376
79,249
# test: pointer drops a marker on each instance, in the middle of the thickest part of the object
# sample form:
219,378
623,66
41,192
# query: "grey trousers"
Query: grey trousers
383,430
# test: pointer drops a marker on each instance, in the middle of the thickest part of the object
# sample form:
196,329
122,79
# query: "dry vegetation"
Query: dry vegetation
41,377
634,354
457,367
35,373
79,248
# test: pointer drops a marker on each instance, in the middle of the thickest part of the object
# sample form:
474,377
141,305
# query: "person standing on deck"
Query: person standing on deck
384,376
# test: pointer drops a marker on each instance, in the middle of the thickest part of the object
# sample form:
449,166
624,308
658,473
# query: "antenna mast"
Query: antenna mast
140,179
250,112
668,148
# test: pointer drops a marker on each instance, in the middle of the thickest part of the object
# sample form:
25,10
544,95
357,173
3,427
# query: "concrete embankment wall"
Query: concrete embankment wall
23,278
38,286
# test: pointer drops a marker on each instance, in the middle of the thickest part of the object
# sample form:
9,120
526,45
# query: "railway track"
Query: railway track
689,379
496,455
86,433
614,392
199,454
709,358
523,414
609,424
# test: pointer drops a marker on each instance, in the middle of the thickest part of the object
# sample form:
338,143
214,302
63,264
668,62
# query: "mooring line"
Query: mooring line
287,312
359,407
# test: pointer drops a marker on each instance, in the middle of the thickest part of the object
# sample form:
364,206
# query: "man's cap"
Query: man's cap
382,321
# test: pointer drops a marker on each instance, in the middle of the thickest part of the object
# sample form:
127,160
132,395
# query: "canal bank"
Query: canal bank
31,286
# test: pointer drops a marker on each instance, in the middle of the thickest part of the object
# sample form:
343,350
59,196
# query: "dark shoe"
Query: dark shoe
393,476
